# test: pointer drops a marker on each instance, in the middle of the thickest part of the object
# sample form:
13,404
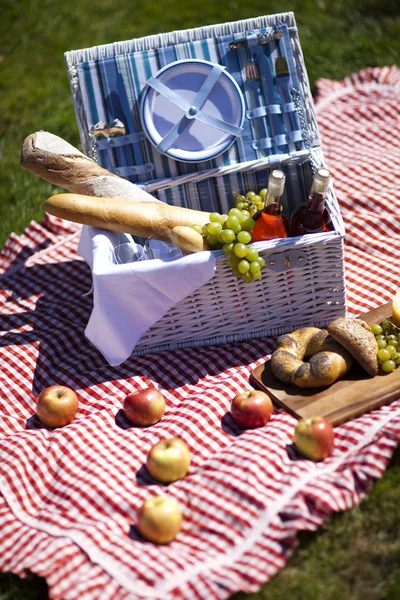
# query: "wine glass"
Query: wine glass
161,249
127,253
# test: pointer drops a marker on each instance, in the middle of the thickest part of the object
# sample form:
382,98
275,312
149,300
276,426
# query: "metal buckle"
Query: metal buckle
261,38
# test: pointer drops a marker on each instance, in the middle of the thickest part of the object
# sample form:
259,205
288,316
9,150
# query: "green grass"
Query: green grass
357,555
337,38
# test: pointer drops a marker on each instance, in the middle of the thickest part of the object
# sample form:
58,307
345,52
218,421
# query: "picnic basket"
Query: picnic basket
303,281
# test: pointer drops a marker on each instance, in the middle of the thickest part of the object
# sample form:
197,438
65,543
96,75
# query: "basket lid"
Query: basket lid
192,110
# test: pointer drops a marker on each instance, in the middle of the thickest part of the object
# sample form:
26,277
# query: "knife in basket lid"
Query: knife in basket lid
252,78
267,82
283,83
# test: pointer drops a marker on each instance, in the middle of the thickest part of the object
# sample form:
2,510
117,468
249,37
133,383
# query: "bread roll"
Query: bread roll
329,360
356,336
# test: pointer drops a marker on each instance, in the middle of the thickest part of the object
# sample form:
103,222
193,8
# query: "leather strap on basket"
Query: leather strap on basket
192,109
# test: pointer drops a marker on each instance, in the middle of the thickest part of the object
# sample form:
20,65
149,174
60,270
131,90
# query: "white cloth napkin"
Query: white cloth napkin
129,298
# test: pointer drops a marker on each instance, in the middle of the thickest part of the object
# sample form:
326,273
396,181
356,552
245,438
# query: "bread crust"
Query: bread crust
115,214
329,360
356,336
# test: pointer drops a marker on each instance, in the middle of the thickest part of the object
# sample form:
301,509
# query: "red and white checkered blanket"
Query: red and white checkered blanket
69,497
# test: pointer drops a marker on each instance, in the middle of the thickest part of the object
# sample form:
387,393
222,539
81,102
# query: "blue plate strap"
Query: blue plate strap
120,140
218,123
278,140
162,89
133,170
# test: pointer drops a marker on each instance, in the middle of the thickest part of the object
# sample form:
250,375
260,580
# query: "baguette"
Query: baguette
142,219
55,160
188,240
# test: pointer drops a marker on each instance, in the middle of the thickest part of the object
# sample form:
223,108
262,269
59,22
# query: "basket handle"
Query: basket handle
274,160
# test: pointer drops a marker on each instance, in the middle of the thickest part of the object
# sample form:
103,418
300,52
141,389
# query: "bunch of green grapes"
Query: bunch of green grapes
251,202
232,234
387,337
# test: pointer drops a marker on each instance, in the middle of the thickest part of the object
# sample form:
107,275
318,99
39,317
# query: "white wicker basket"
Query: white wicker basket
303,281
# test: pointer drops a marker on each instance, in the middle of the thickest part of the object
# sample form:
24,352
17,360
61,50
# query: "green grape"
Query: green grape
237,229
397,359
386,324
256,199
243,216
263,193
244,237
204,230
223,219
214,228
239,198
212,240
391,337
241,205
261,260
215,217
247,277
384,354
232,260
248,224
253,210
236,272
250,195
244,266
260,205
381,344
226,236
234,212
388,366
391,349
380,337
240,250
197,228
232,222
228,248
251,254
256,275
255,266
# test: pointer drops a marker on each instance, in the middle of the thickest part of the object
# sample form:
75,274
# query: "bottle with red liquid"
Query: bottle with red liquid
312,216
270,223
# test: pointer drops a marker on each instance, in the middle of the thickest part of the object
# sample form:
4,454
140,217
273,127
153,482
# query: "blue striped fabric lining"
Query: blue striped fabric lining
111,88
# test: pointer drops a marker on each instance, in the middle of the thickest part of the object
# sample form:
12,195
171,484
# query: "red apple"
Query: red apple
314,438
251,409
168,460
159,519
144,407
57,405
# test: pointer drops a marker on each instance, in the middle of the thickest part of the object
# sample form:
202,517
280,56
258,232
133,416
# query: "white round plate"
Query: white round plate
198,141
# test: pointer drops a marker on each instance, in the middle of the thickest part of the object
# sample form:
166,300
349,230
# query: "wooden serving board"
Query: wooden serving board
351,396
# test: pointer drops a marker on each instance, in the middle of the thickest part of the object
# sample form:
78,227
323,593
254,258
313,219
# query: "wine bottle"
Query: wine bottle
312,216
270,223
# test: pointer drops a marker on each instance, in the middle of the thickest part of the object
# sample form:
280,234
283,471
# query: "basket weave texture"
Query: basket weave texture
303,281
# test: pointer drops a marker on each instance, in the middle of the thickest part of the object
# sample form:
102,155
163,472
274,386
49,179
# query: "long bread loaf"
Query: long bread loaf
142,219
55,160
